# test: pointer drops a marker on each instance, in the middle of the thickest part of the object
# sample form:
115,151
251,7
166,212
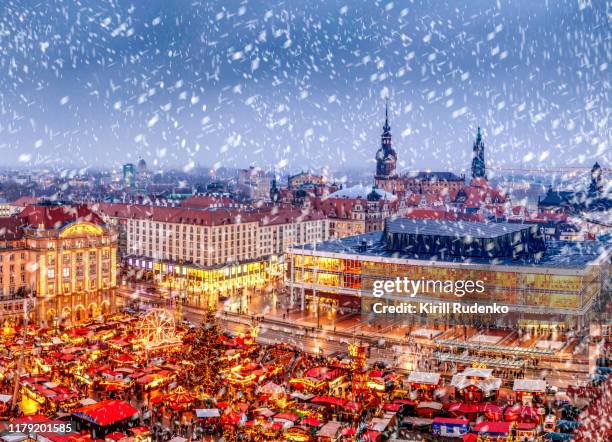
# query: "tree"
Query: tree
206,355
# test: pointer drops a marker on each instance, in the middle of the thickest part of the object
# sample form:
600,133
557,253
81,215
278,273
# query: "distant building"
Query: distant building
353,212
305,178
426,182
129,175
596,198
386,177
548,285
275,194
215,250
478,161
255,183
62,255
141,168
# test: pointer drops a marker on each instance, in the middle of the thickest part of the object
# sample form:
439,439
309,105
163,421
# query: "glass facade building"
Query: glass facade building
560,285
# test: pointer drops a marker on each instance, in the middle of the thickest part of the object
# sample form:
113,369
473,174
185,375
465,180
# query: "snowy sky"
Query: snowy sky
294,84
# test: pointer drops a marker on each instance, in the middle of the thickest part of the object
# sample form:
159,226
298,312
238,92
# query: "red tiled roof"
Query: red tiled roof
10,228
206,201
342,208
54,217
441,214
25,201
209,217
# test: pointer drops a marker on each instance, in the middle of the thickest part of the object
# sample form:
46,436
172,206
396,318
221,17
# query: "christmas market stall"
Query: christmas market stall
493,429
476,385
522,413
105,417
428,409
526,431
529,391
466,410
330,432
449,427
322,380
423,384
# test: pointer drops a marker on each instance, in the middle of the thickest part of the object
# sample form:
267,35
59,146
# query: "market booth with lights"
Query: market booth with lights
105,417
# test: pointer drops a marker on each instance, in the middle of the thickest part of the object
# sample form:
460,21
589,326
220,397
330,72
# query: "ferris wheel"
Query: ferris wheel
157,328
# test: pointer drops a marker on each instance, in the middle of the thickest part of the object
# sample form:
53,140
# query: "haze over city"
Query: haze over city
296,84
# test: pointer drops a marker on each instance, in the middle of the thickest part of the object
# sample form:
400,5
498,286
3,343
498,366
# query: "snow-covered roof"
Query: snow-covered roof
361,191
529,385
421,377
460,381
477,372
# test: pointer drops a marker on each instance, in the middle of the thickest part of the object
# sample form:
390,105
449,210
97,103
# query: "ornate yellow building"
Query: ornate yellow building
71,259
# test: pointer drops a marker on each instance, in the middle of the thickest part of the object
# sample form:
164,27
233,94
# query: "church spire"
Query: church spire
478,160
386,127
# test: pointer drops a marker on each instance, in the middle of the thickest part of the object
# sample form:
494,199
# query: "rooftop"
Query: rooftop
212,216
561,254
433,176
361,191
452,228
56,216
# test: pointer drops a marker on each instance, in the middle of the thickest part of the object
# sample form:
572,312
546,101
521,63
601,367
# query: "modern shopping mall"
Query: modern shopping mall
545,285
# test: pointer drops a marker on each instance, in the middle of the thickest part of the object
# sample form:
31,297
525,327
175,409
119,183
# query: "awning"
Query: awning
328,400
207,412
106,412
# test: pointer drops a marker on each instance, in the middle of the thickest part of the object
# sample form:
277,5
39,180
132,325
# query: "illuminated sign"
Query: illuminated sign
81,229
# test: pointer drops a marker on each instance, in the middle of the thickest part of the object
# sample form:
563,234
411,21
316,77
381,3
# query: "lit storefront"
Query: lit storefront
211,282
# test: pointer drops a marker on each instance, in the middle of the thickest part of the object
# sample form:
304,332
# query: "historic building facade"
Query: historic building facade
215,251
386,177
60,256
478,161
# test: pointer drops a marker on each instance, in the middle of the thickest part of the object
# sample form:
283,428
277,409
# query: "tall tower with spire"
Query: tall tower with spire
478,161
386,159
596,186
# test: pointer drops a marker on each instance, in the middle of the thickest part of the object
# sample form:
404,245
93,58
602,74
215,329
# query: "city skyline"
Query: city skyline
303,87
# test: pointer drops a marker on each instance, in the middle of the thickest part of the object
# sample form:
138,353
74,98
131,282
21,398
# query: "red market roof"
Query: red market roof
106,412
328,400
348,431
492,427
33,419
287,416
353,406
311,421
403,401
392,407
461,407
376,374
519,412
371,436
